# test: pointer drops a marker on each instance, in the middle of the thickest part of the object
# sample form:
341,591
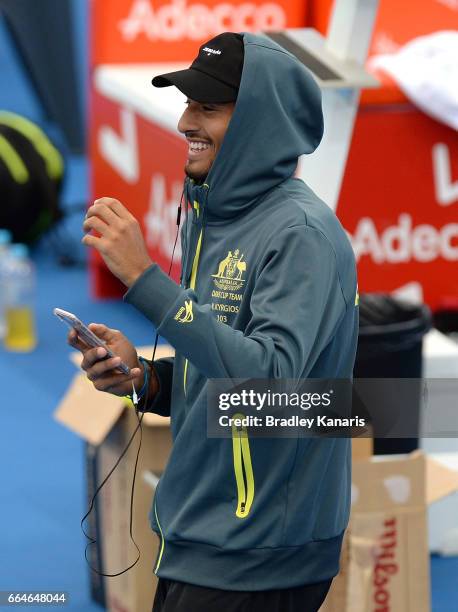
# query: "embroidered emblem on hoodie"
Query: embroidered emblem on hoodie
185,314
230,272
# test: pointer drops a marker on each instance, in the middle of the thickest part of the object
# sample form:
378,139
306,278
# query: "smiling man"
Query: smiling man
267,290
204,126
211,84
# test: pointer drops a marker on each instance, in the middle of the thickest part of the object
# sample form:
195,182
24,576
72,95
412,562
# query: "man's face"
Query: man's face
204,126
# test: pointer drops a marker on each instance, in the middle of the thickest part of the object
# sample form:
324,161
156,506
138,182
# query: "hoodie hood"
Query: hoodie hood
277,118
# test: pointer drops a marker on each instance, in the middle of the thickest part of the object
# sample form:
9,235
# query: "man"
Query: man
244,524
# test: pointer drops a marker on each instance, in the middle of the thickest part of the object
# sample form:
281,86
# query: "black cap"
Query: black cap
214,76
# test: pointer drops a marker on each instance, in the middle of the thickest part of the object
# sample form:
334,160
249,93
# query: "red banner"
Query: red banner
141,164
128,31
399,202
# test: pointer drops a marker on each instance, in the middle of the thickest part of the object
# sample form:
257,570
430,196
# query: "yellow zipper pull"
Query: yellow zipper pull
243,468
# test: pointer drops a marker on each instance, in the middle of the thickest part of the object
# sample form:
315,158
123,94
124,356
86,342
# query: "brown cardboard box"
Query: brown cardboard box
385,556
361,449
106,423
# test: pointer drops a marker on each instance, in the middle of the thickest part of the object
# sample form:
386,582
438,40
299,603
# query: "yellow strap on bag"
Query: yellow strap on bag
13,161
43,146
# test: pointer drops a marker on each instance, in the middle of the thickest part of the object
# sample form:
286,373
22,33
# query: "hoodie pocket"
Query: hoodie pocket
243,468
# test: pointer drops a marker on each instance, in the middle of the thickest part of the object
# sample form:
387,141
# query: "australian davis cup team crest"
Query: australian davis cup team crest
229,276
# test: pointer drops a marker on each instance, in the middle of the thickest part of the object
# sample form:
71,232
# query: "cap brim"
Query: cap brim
197,85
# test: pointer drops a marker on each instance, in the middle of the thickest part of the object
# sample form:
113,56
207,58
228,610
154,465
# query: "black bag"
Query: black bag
390,346
31,174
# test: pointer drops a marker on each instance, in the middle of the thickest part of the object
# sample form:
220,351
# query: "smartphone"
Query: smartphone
87,335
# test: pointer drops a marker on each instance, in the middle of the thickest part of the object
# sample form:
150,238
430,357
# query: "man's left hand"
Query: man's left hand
120,243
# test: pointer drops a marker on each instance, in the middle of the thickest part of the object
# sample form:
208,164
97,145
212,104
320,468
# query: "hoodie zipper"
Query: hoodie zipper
161,550
192,283
243,468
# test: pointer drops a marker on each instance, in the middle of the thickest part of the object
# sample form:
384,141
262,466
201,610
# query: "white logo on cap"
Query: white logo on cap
210,51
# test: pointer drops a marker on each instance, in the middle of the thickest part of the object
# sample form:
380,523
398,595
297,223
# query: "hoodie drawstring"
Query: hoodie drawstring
201,212
194,269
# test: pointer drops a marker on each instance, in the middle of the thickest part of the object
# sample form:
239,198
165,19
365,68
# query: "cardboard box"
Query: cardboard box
361,449
106,423
385,556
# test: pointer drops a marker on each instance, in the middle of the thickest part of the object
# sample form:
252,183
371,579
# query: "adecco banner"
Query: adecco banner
399,202
125,31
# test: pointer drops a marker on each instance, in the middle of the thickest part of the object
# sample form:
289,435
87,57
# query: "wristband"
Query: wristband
140,394
145,363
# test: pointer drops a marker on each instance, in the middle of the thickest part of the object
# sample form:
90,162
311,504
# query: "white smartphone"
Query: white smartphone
87,335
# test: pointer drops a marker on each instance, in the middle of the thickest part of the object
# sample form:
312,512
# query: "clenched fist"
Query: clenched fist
120,241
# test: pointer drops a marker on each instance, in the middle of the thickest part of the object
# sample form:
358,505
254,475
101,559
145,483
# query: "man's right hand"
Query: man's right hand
101,371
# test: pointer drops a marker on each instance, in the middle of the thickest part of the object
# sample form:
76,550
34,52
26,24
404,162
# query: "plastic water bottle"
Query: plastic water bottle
5,242
19,282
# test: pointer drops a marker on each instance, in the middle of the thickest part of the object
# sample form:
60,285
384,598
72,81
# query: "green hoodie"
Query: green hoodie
268,290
